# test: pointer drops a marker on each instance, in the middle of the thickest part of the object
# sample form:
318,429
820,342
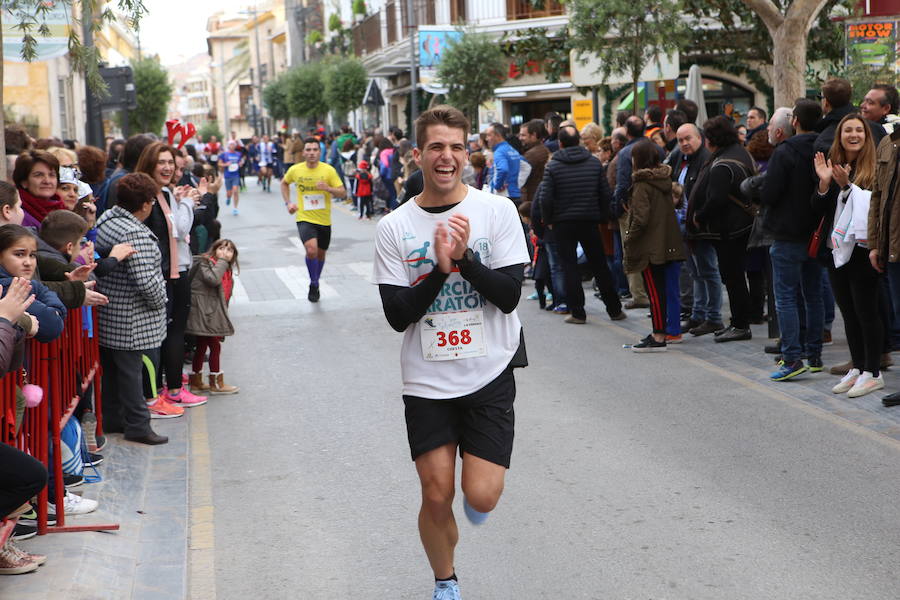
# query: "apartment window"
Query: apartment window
390,11
424,11
457,11
523,9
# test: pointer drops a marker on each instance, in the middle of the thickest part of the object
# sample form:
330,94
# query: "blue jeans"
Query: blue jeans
557,276
893,287
827,299
793,272
704,268
673,298
615,264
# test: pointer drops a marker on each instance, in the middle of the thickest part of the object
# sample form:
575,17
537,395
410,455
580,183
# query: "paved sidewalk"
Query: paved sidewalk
144,490
746,360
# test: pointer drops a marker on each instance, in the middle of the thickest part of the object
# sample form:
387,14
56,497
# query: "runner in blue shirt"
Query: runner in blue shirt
230,164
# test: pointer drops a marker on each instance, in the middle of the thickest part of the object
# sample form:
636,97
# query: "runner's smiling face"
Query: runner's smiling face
442,158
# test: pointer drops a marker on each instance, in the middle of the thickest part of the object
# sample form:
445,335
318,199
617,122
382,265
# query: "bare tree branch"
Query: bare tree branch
769,12
807,10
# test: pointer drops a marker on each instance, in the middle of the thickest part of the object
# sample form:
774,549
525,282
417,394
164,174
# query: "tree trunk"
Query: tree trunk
789,64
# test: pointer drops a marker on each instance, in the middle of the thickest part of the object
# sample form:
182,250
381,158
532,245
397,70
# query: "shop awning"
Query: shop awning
627,103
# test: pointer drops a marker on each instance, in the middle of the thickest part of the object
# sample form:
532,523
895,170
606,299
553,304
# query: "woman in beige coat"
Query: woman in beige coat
211,286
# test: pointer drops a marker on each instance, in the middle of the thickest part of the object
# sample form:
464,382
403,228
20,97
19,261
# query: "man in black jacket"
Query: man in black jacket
701,291
836,95
790,221
575,199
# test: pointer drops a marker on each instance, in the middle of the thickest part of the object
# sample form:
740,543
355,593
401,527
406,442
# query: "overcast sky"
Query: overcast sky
176,29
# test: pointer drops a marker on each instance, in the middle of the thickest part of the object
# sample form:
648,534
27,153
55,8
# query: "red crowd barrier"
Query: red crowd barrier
64,369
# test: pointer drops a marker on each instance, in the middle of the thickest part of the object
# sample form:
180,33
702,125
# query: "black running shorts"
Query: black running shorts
482,423
308,231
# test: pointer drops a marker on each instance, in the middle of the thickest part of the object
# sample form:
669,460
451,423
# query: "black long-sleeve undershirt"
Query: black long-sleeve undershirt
405,305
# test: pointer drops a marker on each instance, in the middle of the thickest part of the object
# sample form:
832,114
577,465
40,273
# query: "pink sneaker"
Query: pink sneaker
184,397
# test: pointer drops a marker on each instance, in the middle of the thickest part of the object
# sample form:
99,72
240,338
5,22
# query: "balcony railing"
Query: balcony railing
367,35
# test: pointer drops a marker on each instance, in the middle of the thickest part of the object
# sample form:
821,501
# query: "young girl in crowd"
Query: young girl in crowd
652,238
845,184
18,258
211,286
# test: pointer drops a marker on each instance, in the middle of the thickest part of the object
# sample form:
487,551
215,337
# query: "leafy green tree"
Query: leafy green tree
209,129
345,85
275,98
471,68
30,16
153,92
306,91
626,35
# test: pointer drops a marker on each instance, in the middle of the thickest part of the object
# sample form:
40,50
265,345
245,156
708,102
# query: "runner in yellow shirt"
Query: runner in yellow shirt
316,184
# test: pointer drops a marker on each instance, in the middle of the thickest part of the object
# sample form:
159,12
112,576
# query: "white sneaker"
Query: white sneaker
846,382
866,384
76,505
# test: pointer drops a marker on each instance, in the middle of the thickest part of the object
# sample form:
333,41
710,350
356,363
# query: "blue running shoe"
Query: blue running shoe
561,309
533,296
475,517
446,590
234,212
788,371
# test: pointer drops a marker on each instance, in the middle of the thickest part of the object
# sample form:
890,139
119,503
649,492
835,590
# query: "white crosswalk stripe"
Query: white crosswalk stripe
297,281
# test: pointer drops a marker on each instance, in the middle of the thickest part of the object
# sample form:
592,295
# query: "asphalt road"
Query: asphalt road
633,476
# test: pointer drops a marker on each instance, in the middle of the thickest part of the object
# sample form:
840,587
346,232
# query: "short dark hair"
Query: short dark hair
621,117
499,129
675,119
568,136
689,108
525,209
837,91
311,140
808,113
890,95
61,227
17,140
635,126
762,112
9,195
26,161
536,127
135,190
720,132
645,154
394,131
134,146
92,162
441,115
553,120
655,113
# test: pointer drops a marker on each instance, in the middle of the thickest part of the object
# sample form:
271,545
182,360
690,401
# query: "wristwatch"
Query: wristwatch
468,259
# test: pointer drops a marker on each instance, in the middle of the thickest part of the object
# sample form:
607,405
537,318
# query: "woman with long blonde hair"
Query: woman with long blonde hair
844,190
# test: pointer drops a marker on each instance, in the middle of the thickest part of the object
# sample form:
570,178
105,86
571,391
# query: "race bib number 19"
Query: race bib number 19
313,201
452,336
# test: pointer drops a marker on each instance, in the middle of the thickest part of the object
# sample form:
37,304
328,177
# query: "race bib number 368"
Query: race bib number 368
452,336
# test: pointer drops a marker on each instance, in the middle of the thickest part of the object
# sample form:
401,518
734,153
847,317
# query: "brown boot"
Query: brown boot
841,369
886,361
196,383
217,385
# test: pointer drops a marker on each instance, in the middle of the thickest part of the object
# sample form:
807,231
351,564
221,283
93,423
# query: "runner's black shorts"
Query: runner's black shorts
482,423
308,231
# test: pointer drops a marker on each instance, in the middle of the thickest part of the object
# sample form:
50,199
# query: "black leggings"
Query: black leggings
655,284
172,354
856,287
21,477
732,255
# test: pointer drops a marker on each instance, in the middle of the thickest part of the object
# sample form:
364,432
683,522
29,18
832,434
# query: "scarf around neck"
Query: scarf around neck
40,207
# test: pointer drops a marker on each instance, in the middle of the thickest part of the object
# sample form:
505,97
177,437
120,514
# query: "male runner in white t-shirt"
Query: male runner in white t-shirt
450,265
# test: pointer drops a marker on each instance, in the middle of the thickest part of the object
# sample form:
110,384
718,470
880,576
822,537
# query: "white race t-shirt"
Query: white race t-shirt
404,256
